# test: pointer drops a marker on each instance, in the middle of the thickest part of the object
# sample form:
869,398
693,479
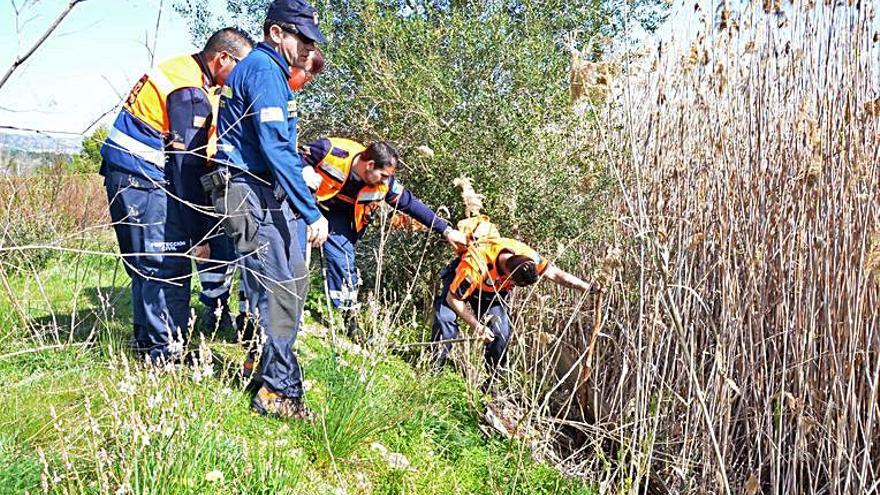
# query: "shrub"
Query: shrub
89,159
47,209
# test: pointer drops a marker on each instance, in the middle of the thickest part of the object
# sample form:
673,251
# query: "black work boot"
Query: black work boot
216,320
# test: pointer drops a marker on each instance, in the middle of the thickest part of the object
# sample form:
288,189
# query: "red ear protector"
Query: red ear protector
301,77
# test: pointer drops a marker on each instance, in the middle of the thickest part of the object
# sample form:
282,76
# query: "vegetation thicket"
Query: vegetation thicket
724,189
740,343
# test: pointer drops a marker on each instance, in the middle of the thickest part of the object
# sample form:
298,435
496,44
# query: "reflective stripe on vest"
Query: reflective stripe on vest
137,148
332,171
372,196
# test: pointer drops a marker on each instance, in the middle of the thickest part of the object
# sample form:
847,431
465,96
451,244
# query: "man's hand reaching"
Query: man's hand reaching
455,238
484,333
312,179
318,232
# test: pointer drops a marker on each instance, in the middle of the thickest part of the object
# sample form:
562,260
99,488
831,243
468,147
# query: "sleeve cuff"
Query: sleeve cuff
311,216
441,226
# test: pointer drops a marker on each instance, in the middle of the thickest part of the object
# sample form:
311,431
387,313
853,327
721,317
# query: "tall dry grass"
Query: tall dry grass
75,200
48,209
738,348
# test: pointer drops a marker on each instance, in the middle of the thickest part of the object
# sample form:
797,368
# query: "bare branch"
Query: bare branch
19,60
156,34
98,119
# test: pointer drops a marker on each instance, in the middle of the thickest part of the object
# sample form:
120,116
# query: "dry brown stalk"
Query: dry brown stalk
473,202
740,337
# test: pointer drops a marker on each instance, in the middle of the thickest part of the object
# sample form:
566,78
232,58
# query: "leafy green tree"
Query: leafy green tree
89,159
483,83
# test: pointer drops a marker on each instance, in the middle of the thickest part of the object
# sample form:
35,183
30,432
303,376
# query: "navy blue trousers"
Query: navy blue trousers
149,225
266,234
216,275
485,306
343,280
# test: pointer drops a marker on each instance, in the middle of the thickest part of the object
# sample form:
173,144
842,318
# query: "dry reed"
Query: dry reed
739,352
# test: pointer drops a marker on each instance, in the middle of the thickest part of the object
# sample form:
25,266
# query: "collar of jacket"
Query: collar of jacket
353,175
206,73
265,47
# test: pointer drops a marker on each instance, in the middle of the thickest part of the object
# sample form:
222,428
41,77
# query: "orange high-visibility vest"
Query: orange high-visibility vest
478,268
334,170
146,103
147,100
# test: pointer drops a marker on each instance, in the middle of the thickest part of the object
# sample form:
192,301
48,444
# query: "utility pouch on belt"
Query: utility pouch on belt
215,180
279,193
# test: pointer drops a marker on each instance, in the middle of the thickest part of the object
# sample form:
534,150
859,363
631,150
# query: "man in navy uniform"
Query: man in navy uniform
263,199
152,161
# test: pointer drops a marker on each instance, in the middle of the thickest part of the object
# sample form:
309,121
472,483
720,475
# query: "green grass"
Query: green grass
89,419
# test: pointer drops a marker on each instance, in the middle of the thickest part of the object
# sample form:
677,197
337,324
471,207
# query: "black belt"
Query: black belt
234,172
221,175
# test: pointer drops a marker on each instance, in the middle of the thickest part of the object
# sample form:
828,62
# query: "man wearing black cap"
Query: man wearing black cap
262,196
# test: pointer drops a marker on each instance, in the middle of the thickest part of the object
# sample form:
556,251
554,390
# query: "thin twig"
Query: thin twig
20,59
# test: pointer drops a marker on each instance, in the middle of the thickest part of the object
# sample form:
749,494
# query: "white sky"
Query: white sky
82,71
99,51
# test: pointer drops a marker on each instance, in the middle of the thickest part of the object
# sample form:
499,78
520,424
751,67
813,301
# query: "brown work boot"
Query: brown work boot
247,368
266,402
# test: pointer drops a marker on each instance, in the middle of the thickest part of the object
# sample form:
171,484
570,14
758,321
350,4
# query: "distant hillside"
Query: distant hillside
21,154
40,143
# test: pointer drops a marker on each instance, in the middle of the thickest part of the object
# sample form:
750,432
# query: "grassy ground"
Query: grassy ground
78,415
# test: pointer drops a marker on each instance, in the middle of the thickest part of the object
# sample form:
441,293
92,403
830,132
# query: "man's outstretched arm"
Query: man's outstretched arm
406,202
566,279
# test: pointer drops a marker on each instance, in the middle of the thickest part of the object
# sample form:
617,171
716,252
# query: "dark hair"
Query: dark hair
522,270
230,39
382,154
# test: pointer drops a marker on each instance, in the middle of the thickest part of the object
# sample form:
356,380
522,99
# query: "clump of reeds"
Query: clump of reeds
473,201
738,352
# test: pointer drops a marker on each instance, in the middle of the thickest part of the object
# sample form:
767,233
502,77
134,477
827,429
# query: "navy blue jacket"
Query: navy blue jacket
189,118
256,128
